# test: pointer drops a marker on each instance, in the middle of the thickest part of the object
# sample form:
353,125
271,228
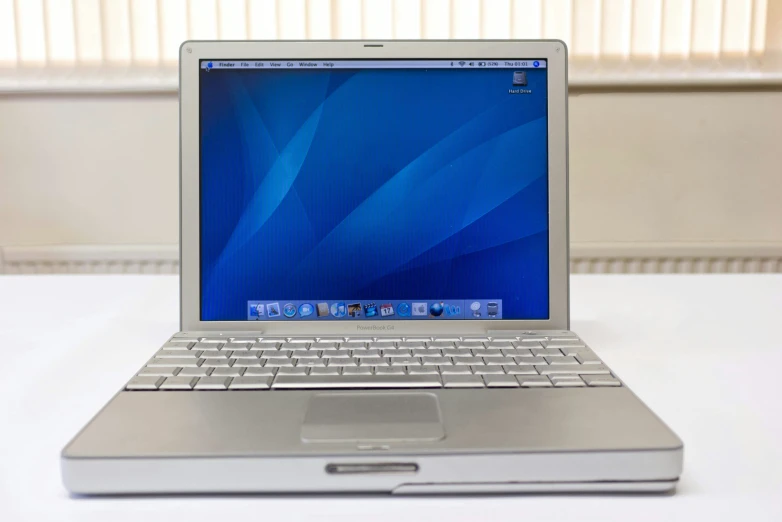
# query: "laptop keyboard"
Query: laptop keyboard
260,363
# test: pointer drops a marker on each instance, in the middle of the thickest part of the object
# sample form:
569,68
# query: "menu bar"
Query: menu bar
470,63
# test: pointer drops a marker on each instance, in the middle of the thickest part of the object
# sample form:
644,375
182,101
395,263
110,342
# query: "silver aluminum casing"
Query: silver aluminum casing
497,440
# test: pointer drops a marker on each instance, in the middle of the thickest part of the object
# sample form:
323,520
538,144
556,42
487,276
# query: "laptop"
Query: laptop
374,287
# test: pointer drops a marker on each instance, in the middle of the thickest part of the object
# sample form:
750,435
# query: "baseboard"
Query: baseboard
585,258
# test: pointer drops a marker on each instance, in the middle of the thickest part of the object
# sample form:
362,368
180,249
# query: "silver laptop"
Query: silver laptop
374,287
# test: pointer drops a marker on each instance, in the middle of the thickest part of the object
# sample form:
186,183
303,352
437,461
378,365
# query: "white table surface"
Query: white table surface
704,352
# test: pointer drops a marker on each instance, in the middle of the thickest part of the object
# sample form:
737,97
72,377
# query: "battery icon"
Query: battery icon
481,64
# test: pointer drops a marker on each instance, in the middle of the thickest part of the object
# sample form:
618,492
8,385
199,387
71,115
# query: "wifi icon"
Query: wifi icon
462,63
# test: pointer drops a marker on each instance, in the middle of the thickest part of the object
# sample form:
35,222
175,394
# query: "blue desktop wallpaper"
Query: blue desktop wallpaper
374,184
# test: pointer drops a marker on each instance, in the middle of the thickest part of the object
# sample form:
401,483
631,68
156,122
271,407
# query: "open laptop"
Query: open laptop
374,287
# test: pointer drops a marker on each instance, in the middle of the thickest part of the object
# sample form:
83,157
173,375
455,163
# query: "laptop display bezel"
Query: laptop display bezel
192,52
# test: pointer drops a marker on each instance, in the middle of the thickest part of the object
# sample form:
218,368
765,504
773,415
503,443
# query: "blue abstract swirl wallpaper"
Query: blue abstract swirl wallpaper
373,184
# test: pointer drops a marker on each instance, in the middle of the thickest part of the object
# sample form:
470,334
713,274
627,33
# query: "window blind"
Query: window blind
609,40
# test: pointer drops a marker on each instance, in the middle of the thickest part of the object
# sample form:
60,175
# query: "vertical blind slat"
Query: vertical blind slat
263,19
407,19
615,28
466,19
645,28
88,31
496,19
587,21
144,32
436,19
232,22
319,22
8,51
378,16
348,19
30,32
526,19
61,47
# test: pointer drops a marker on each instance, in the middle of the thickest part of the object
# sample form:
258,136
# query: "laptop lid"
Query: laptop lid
356,188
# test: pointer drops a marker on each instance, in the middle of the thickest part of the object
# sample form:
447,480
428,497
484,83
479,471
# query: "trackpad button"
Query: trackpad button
376,416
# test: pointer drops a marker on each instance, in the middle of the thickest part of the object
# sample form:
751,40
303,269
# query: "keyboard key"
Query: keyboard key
429,361
470,345
233,371
194,372
423,370
427,352
244,340
389,370
578,369
178,383
355,381
500,381
247,362
601,380
519,370
352,345
411,345
488,352
215,354
499,360
441,344
372,361
236,346
497,345
248,354
380,345
516,352
213,383
306,355
281,362
546,352
164,371
324,346
274,353
569,383
530,360
251,383
561,360
345,362
180,362
301,340
312,362
482,370
202,345
292,371
356,370
144,383
372,352
457,352
323,370
462,381
217,363
177,345
259,372
467,360
504,340
294,346
396,352
335,354
453,370
405,361
534,381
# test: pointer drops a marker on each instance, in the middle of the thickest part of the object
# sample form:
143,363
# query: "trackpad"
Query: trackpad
376,416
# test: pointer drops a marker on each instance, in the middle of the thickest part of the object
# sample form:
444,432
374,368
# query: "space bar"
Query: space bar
355,381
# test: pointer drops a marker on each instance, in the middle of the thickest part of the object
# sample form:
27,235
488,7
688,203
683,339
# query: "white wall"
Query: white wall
685,172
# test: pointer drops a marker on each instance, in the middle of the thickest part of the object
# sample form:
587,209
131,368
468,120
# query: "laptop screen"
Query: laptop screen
373,190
